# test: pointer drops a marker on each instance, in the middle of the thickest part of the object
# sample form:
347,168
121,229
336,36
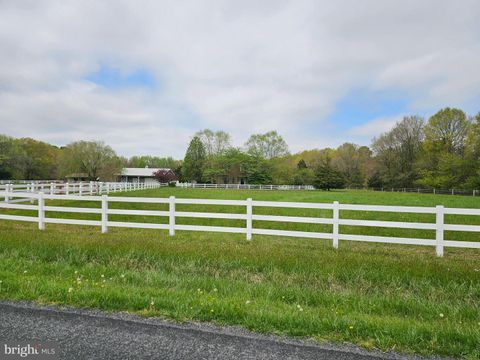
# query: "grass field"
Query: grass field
374,295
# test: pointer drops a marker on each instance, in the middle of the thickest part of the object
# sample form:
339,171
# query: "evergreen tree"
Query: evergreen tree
327,177
192,167
302,164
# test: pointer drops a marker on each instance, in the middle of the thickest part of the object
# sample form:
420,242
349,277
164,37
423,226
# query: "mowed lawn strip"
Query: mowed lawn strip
385,296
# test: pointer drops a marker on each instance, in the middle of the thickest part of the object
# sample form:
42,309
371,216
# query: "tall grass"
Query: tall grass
374,295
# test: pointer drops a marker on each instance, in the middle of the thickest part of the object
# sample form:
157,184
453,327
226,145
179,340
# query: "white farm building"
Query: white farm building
139,175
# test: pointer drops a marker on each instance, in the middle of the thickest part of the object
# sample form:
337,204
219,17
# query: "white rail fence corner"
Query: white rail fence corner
439,226
75,188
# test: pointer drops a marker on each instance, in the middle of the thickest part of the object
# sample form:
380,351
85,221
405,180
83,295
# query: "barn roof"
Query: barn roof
141,171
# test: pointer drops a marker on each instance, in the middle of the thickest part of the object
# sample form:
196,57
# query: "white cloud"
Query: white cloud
239,66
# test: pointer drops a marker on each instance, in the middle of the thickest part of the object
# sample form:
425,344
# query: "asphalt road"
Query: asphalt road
90,334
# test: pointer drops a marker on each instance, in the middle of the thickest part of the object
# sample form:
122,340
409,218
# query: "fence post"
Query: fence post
336,218
52,188
104,214
32,190
171,218
249,218
7,189
439,233
41,211
80,189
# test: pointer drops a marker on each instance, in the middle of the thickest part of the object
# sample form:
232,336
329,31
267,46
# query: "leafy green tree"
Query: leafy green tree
12,158
327,177
446,131
304,176
472,154
231,163
41,159
375,180
192,167
6,149
351,160
93,158
260,170
443,150
216,144
472,143
269,145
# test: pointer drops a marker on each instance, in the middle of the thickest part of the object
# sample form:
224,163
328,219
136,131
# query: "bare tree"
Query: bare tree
397,150
215,143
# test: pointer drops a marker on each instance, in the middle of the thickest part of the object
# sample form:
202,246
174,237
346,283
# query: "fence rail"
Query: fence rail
249,217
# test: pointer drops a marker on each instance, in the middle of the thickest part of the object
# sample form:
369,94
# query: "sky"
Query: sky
144,76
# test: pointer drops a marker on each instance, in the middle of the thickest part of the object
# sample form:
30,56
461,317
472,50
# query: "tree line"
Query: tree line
442,151
30,159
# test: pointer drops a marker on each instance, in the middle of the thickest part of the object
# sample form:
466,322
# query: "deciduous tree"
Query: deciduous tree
215,142
397,151
97,160
268,145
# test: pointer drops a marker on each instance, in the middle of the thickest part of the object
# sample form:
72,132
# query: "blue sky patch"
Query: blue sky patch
363,105
114,79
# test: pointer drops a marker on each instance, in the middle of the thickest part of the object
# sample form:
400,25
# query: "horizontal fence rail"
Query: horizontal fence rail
104,210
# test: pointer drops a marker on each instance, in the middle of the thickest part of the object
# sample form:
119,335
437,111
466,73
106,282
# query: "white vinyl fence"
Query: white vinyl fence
433,191
76,188
244,186
249,217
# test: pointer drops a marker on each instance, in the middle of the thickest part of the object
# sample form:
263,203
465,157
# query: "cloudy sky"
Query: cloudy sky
143,76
